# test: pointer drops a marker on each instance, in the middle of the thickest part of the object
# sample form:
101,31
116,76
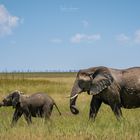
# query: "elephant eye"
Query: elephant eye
4,100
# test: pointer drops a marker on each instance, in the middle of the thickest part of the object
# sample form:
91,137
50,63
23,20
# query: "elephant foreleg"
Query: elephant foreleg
17,114
94,107
27,116
117,111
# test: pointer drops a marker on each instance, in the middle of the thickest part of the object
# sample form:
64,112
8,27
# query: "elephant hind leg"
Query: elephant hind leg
47,110
94,107
117,111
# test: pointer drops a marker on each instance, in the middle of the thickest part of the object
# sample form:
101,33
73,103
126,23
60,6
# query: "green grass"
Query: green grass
67,126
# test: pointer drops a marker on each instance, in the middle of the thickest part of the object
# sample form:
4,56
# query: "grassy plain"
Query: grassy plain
67,126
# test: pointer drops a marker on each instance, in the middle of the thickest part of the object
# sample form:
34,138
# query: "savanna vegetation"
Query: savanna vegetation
67,126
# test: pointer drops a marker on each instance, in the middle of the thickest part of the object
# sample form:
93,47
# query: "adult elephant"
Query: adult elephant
117,88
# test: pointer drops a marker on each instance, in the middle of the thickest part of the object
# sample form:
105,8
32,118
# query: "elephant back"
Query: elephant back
131,80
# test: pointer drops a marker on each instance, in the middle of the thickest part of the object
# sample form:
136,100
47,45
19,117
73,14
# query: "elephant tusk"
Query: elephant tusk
74,96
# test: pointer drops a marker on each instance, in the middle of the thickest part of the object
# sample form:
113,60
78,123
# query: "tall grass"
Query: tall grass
67,126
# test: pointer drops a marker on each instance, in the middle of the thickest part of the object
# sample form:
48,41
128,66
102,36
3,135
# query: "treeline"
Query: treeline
32,74
34,71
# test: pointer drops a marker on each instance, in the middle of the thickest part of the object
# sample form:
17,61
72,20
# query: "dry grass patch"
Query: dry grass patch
67,126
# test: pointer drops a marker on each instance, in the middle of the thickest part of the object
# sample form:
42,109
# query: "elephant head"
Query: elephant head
93,81
12,99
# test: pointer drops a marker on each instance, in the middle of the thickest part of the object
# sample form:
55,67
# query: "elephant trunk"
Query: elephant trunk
74,94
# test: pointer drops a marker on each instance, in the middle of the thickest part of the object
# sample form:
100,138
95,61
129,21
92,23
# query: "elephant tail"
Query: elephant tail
57,108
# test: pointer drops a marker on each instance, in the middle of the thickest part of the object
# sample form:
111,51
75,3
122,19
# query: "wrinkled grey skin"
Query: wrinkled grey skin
116,88
35,105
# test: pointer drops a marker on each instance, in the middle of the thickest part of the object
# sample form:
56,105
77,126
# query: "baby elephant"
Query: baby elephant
35,105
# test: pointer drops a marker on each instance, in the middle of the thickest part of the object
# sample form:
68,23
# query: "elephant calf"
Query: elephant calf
35,105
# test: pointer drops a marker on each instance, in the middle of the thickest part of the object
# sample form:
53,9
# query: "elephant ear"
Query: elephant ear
15,99
100,82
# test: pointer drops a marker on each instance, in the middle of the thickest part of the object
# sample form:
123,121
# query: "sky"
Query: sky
41,35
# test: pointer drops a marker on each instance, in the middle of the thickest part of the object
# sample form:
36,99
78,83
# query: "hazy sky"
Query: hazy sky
41,35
